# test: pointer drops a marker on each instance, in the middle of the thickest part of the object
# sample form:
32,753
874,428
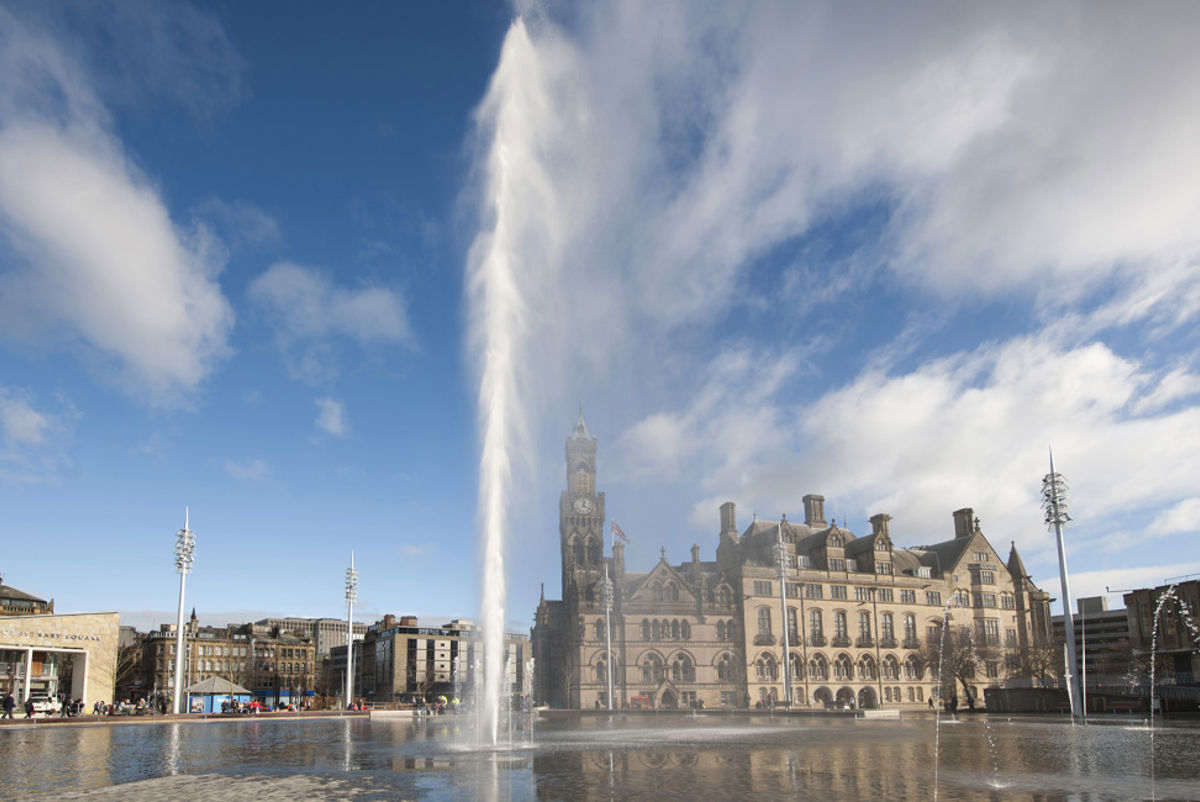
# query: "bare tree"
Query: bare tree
1040,659
957,656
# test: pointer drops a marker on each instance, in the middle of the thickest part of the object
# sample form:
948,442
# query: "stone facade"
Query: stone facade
1164,622
271,662
73,655
861,612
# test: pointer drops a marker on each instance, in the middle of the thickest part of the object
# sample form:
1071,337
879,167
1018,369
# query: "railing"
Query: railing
864,643
912,643
840,640
887,643
816,640
764,640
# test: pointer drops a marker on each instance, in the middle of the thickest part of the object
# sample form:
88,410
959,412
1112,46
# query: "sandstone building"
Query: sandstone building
861,615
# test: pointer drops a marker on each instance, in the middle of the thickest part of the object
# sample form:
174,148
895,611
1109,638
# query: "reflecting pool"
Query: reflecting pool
714,756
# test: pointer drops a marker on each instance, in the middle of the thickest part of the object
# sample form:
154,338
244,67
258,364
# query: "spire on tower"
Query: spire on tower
581,429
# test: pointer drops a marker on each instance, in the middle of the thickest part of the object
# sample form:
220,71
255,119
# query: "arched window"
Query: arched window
672,592
866,667
764,667
890,667
725,671
685,630
720,630
764,621
793,626
653,669
658,592
682,669
730,630
818,667
657,630
797,666
601,671
579,551
593,549
814,624
887,627
842,667
725,596
839,625
913,668
675,630
645,629
910,629
599,629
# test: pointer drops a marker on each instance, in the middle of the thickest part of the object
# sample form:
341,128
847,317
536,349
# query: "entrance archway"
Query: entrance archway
866,699
845,698
823,697
668,700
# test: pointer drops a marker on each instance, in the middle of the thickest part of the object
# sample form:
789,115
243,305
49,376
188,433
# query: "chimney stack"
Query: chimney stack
879,524
729,519
964,522
814,510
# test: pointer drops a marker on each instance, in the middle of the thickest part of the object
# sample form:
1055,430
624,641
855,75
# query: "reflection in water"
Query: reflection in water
599,758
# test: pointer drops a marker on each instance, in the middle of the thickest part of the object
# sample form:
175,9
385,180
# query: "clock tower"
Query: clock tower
581,515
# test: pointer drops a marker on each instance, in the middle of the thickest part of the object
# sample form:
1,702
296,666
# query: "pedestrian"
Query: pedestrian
931,703
29,707
9,704
64,710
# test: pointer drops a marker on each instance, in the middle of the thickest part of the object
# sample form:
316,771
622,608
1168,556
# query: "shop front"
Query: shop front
59,656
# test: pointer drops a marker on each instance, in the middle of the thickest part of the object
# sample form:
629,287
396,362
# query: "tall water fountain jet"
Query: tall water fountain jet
503,264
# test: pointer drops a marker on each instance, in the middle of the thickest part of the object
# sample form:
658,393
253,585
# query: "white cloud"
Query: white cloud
1183,517
331,417
95,259
33,438
241,222
308,311
252,469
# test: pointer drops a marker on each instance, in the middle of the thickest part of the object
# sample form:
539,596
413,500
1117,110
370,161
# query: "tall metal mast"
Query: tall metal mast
1054,501
185,552
351,597
781,561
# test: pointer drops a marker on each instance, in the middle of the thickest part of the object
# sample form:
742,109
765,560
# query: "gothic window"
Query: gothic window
653,669
814,623
682,670
731,631
685,630
887,627
910,628
866,667
890,668
797,667
864,627
725,596
657,629
601,671
645,629
793,628
842,668
725,669
818,667
764,668
579,551
720,630
675,630
658,592
672,592
764,621
913,668
593,549
839,625
599,629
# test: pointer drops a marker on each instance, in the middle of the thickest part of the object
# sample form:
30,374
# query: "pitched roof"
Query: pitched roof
218,685
9,592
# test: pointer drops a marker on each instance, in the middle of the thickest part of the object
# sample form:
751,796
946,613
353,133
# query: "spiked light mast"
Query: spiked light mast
1054,501
185,552
351,597
606,592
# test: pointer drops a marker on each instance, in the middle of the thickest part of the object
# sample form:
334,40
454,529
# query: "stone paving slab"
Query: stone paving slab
222,787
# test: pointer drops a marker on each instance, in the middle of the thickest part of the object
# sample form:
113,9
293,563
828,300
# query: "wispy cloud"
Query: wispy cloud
33,437
309,313
94,259
251,469
331,417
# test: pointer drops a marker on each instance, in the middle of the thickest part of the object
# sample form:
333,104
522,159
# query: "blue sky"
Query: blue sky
260,259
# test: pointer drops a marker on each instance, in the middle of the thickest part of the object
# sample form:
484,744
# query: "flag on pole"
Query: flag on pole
617,533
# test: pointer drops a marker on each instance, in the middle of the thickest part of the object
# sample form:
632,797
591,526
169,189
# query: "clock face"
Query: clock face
583,505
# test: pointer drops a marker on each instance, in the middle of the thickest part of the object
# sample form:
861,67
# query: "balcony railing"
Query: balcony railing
887,643
816,640
840,641
864,643
764,640
912,643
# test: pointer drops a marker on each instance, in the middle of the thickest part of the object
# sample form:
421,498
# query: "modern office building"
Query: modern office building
1101,640
1165,621
862,615
325,633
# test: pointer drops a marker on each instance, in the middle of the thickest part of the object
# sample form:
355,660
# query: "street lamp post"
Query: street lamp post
1054,501
185,551
351,597
607,596
781,559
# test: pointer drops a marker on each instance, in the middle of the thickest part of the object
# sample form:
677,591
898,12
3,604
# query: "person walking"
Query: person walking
9,704
29,707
